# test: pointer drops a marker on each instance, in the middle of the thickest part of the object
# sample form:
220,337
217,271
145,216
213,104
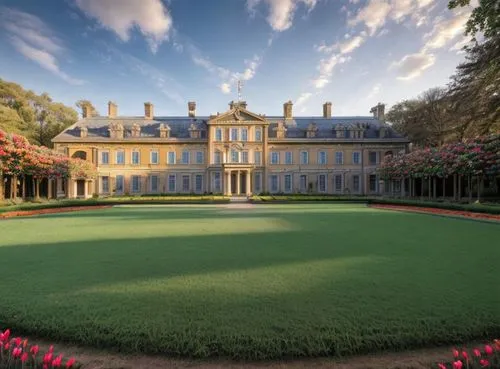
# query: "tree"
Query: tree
81,103
484,18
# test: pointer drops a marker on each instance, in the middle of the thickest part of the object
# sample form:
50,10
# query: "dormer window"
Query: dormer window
340,131
164,130
115,130
194,131
280,130
136,130
312,129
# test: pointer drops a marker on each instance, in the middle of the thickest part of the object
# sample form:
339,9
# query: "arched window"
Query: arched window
80,155
388,153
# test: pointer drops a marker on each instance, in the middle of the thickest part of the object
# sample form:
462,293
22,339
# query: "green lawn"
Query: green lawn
262,282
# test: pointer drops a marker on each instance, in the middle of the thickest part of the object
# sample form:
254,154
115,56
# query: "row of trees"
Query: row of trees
21,162
475,158
470,105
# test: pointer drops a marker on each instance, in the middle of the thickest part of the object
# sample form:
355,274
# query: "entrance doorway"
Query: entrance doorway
234,183
80,188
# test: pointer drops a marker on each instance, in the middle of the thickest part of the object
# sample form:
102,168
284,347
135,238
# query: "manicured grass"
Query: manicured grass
261,282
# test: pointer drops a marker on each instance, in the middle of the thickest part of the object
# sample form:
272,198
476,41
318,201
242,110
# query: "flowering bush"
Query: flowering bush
478,157
485,357
16,353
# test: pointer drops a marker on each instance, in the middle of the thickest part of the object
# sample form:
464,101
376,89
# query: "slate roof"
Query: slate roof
97,127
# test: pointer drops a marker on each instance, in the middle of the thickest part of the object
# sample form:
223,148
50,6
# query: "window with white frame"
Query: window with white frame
185,157
288,157
258,182
217,182
120,157
136,183
235,156
104,157
258,157
322,183
275,157
244,134
274,183
153,183
105,184
258,134
339,158
303,183
119,184
135,157
304,157
218,134
172,185
288,183
185,183
217,157
356,157
244,156
355,183
198,183
373,157
199,157
338,182
322,157
171,157
234,134
154,157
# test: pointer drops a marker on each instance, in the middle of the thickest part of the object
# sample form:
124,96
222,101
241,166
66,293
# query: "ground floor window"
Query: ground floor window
198,182
154,183
355,183
216,184
338,182
185,183
274,183
303,183
373,183
119,184
397,186
136,183
171,183
258,183
288,183
105,184
322,183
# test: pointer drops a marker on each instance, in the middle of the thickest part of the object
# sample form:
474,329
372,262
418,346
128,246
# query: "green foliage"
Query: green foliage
484,18
273,281
81,103
36,117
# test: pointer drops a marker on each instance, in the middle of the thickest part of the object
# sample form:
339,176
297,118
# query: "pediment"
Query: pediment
238,115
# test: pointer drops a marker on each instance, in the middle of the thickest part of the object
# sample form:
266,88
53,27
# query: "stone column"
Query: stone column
49,188
229,183
238,185
248,189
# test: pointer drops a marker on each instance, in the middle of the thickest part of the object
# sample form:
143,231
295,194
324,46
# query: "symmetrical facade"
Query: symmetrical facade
234,153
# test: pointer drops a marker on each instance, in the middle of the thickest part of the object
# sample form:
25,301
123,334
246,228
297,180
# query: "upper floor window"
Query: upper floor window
275,157
218,134
135,157
258,134
235,156
171,157
339,157
217,157
244,134
120,157
258,157
322,157
199,157
356,157
372,157
234,134
185,157
104,157
288,157
154,157
304,157
244,156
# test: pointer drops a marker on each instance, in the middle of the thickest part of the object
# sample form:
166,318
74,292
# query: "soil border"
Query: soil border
27,213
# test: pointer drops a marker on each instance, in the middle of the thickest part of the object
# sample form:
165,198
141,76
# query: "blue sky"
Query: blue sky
353,53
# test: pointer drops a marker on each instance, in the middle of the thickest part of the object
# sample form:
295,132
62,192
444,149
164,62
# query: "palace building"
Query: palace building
233,153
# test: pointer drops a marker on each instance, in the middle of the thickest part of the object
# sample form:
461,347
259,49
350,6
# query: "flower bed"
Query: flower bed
25,213
487,357
424,210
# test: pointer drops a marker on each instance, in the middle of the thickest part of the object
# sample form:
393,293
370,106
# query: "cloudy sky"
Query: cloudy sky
353,53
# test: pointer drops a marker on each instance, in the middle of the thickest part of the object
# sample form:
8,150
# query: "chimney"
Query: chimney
378,112
148,110
327,110
112,109
287,110
192,108
86,111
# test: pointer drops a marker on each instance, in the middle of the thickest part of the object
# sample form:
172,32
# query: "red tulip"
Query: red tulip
56,363
5,335
484,363
477,353
488,350
455,353
24,357
47,358
34,350
442,366
457,364
70,363
17,352
465,355
18,341
51,349
6,346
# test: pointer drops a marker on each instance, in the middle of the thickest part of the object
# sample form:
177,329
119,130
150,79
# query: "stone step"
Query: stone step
238,199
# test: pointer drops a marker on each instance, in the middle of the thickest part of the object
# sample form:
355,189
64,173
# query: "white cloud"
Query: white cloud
320,82
374,91
351,45
281,12
32,38
303,98
412,65
445,30
225,88
150,17
373,15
